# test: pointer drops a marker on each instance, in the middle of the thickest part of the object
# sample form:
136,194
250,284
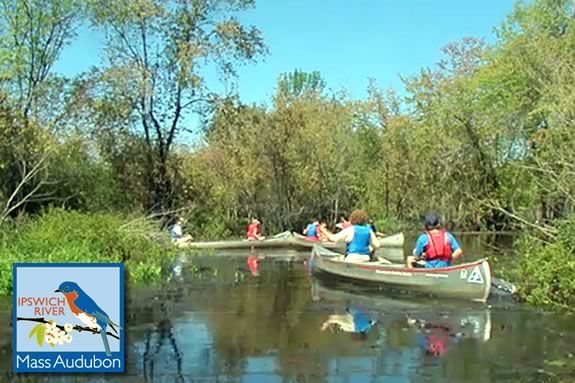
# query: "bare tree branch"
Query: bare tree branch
27,176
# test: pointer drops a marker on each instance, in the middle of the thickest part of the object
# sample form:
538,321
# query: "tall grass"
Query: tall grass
68,236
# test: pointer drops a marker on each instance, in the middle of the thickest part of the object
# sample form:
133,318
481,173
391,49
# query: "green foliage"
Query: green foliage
484,138
156,52
298,83
33,34
544,271
67,236
390,225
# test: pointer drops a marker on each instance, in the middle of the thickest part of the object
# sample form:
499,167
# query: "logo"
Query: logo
475,276
68,317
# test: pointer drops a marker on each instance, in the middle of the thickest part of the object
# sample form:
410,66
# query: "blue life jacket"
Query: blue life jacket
311,230
360,242
175,231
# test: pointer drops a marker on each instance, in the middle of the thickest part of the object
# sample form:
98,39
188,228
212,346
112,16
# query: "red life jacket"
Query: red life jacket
253,265
253,230
438,246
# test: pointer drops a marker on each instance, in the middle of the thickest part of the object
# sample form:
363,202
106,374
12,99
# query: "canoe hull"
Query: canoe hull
393,254
239,244
469,281
392,241
284,239
296,241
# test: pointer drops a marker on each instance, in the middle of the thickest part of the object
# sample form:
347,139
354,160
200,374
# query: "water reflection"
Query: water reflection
253,262
353,321
437,336
432,330
217,322
160,336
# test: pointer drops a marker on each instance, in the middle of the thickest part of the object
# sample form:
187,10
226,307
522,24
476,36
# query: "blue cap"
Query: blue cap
431,220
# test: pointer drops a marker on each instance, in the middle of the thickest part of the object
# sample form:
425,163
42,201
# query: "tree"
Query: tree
32,37
33,100
299,83
156,52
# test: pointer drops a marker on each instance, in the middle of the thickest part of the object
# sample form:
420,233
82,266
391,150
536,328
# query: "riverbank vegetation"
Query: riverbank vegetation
68,236
484,137
544,269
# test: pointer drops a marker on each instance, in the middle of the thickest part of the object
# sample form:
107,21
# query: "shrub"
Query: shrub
544,271
67,236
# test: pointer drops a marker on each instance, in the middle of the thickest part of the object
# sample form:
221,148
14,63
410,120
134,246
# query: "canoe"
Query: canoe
469,281
291,240
392,250
395,240
280,240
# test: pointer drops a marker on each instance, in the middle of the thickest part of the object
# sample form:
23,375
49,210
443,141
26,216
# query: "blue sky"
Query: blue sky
348,44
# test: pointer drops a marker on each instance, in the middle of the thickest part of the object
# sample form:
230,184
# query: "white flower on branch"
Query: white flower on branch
56,334
50,339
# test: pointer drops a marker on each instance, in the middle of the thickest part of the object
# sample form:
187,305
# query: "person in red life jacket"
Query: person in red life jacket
254,264
254,231
311,231
435,246
359,238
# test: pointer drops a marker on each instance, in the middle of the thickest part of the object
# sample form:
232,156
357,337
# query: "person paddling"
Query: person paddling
254,231
359,238
311,232
343,224
177,233
322,230
435,246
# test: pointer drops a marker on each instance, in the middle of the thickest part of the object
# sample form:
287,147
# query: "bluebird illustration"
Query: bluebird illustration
87,311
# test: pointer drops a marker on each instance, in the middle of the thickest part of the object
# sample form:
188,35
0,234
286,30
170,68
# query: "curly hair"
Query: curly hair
358,217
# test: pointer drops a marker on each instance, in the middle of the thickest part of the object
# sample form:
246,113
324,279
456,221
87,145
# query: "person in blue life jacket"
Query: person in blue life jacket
177,233
360,239
436,247
311,231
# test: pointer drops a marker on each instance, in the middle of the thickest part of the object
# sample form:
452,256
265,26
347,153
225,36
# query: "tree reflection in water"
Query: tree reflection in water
156,338
217,327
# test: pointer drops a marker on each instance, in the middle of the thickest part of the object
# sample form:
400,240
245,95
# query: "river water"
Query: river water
235,318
